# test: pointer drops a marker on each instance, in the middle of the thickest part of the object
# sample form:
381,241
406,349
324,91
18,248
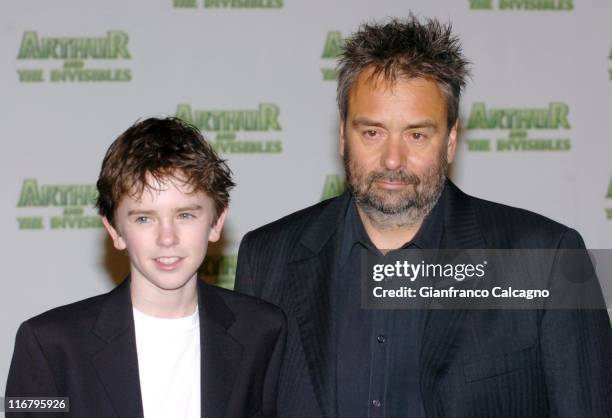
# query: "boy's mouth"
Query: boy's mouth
167,263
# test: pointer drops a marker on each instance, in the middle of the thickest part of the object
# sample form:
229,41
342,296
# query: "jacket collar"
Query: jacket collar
311,265
117,362
462,228
220,351
322,227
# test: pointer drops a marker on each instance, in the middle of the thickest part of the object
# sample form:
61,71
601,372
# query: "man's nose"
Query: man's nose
394,153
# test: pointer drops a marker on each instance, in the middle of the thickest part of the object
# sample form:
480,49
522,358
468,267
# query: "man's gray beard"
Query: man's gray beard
412,209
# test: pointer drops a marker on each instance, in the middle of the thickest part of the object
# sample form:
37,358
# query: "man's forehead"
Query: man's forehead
424,93
373,78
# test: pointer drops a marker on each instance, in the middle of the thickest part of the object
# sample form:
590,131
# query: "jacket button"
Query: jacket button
381,339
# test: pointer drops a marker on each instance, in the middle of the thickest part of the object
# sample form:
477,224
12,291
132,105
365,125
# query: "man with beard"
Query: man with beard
399,87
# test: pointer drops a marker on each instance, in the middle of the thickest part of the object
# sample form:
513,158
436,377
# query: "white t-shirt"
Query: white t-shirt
169,365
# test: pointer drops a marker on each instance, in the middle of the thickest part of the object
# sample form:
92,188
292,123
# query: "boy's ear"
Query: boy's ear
215,230
118,242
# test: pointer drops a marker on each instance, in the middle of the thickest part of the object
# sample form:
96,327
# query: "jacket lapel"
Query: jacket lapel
311,290
461,231
311,270
117,362
220,352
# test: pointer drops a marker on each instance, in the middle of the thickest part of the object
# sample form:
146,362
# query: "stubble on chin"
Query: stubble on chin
391,209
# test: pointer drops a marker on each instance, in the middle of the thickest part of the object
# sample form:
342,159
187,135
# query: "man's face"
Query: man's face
166,233
396,146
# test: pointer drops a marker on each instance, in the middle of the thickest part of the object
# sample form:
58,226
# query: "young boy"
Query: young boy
162,343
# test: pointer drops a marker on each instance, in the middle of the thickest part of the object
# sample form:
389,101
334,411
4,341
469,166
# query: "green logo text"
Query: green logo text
74,51
229,4
522,4
227,123
518,121
112,46
72,198
334,44
334,186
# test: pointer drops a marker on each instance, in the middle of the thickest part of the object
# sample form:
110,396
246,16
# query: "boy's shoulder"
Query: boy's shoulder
74,323
73,315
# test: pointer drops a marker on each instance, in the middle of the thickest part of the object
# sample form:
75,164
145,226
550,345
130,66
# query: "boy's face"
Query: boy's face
166,233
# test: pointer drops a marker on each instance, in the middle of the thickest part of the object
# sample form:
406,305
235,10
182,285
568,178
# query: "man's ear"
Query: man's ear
451,146
215,230
341,138
118,241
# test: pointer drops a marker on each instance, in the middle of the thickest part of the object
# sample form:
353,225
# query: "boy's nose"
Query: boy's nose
167,236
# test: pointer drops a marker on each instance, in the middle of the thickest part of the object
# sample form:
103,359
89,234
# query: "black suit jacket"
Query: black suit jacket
472,363
87,352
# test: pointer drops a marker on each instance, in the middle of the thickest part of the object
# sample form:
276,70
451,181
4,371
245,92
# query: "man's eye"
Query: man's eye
142,220
370,133
186,216
418,136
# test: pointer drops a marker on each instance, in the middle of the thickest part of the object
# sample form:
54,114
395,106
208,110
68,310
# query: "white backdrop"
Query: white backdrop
245,55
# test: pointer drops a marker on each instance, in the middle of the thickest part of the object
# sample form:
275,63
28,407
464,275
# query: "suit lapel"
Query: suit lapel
220,352
311,272
461,228
311,292
117,362
461,231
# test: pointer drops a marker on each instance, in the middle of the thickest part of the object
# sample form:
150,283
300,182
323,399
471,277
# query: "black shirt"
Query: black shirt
377,350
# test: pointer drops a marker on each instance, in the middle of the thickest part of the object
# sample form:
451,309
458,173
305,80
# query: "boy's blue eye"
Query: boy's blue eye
142,220
186,216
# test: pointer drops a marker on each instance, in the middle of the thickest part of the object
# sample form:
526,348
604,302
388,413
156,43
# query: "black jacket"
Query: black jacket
87,351
522,364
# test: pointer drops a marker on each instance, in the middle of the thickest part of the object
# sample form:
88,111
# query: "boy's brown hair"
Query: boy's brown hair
158,149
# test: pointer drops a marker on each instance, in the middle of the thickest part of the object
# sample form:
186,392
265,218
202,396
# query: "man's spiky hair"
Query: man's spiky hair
405,48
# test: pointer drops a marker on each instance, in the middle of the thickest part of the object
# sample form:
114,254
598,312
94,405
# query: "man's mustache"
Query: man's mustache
394,175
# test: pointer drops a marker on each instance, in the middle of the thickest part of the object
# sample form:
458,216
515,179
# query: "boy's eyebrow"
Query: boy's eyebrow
140,212
189,208
133,212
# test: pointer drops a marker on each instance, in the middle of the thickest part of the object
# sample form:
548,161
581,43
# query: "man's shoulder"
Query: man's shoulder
249,306
251,311
293,223
514,216
517,227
